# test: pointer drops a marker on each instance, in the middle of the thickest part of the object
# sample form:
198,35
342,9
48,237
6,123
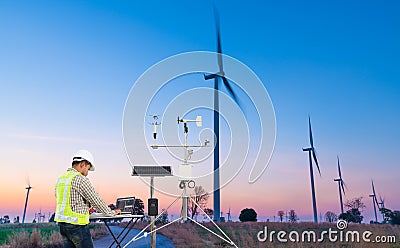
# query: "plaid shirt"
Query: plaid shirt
83,196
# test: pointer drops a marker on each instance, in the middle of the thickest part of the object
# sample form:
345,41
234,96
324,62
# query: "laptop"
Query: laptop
126,205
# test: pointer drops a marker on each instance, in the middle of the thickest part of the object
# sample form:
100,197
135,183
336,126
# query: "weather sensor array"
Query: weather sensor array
185,182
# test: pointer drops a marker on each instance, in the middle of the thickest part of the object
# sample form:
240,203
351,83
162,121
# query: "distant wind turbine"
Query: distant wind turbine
229,215
26,200
341,185
374,200
217,76
311,153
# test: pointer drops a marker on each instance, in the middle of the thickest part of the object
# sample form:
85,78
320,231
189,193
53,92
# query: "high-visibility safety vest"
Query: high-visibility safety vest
64,212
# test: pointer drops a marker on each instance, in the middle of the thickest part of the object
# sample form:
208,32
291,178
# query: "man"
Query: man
75,195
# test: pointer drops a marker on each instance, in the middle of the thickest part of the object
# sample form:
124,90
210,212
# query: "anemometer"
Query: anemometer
185,169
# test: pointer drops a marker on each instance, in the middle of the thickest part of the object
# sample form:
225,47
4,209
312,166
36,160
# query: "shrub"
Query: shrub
248,214
24,240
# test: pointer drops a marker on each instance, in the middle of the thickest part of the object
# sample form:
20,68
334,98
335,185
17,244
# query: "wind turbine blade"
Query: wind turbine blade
220,65
374,194
221,72
312,146
219,46
376,201
315,160
373,187
229,88
342,185
338,164
345,185
311,137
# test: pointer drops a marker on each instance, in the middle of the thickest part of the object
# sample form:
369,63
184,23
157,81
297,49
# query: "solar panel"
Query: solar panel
152,170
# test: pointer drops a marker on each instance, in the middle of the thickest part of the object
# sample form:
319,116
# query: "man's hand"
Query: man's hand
117,211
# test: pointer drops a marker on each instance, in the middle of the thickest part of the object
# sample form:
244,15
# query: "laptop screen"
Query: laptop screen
126,205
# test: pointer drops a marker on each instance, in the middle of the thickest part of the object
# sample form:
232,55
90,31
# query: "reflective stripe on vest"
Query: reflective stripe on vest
64,212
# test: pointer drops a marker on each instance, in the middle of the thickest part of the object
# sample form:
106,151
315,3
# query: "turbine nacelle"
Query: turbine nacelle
209,76
214,75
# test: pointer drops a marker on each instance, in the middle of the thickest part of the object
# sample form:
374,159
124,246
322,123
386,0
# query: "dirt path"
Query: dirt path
105,242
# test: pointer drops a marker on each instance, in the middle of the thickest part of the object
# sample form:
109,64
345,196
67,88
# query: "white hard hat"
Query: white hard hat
82,155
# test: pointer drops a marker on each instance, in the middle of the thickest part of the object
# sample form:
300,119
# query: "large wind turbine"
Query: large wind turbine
26,200
374,200
217,76
311,153
341,185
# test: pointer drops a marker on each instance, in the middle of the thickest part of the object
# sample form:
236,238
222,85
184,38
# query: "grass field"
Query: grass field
7,230
245,235
190,235
38,235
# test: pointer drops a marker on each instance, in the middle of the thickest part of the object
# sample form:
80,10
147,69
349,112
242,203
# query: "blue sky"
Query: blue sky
66,69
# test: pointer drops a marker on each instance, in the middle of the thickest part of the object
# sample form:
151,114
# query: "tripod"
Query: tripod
184,184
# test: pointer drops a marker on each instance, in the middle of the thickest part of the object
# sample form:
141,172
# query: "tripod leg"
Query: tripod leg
158,216
226,239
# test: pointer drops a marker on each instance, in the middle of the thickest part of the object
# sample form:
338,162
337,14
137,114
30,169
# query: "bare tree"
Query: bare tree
16,219
293,216
209,212
199,196
331,217
355,207
355,203
281,213
163,219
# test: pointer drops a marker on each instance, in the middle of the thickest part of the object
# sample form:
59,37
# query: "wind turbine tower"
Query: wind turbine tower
341,185
374,201
220,75
26,201
229,215
312,156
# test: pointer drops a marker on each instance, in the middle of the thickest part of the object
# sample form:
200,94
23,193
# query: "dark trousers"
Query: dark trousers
76,236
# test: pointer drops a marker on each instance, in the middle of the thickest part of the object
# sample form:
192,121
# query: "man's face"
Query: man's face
85,168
